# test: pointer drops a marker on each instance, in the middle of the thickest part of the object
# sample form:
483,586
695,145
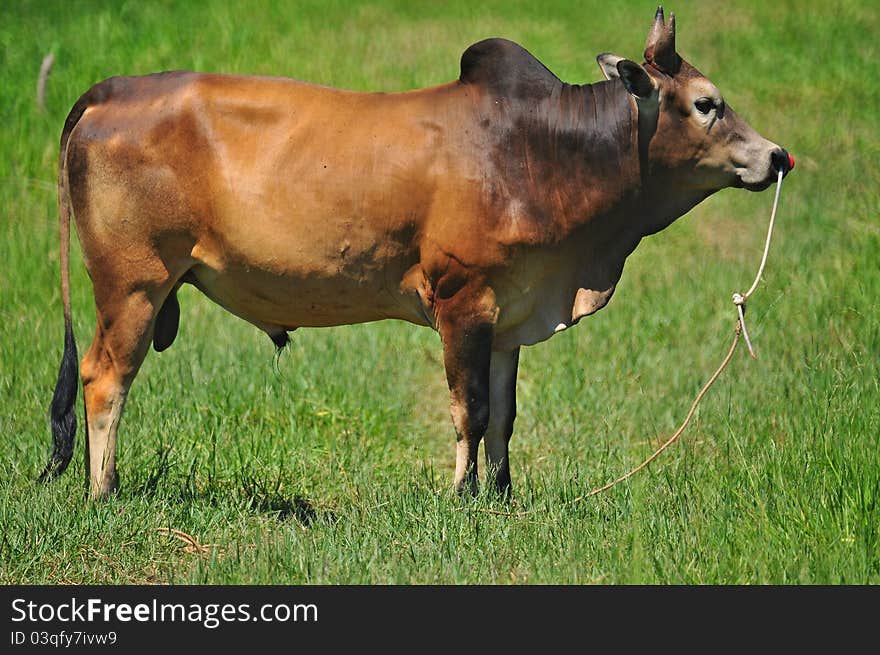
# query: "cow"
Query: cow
497,209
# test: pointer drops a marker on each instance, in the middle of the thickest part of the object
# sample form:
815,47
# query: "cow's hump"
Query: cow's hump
506,69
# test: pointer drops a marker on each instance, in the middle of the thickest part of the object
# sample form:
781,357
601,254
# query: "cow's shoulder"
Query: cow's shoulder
506,69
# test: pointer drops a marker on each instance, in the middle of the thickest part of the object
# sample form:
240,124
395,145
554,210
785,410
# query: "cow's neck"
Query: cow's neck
578,168
580,160
662,203
571,155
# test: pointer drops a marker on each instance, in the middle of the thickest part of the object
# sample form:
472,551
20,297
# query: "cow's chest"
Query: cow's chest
532,308
551,315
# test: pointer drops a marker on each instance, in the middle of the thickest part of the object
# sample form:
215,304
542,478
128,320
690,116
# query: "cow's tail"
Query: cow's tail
62,411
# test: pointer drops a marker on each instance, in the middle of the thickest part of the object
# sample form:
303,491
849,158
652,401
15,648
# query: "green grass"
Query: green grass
337,468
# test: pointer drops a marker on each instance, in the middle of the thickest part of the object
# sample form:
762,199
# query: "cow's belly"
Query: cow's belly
279,283
291,302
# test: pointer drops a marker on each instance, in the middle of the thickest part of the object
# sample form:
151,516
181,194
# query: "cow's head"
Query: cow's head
692,139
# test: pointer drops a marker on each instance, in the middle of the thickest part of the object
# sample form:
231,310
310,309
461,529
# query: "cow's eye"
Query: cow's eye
704,105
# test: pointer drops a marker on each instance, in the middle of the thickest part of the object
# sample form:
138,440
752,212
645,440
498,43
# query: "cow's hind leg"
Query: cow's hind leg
122,338
502,403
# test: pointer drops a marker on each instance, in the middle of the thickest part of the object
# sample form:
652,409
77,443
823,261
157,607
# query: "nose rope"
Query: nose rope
739,299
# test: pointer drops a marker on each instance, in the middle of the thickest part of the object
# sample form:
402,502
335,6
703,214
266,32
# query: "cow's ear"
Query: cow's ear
636,79
608,65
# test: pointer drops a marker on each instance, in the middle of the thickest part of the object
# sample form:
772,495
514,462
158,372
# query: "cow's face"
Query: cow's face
691,138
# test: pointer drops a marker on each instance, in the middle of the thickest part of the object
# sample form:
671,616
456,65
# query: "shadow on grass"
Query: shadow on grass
284,509
258,493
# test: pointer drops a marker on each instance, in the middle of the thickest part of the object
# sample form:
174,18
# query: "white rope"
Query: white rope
739,299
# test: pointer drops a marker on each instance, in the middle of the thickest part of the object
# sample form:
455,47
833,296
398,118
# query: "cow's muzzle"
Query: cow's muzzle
781,160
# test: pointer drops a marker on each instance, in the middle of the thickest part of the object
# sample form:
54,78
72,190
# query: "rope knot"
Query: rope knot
740,301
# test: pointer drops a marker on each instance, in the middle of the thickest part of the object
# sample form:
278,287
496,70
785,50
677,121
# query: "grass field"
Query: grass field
337,466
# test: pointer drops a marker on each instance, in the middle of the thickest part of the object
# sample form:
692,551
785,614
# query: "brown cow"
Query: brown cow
497,209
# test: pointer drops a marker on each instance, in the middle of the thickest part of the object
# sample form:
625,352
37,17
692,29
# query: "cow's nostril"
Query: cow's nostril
780,160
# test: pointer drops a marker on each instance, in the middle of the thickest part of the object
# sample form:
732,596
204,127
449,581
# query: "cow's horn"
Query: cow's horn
660,46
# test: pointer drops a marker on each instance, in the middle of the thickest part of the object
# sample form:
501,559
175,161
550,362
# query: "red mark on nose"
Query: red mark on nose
790,162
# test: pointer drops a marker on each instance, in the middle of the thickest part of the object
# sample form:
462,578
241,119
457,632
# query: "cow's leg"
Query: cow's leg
122,338
502,403
466,355
466,328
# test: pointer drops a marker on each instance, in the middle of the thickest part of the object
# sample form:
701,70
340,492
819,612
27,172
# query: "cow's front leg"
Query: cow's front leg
502,402
467,330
